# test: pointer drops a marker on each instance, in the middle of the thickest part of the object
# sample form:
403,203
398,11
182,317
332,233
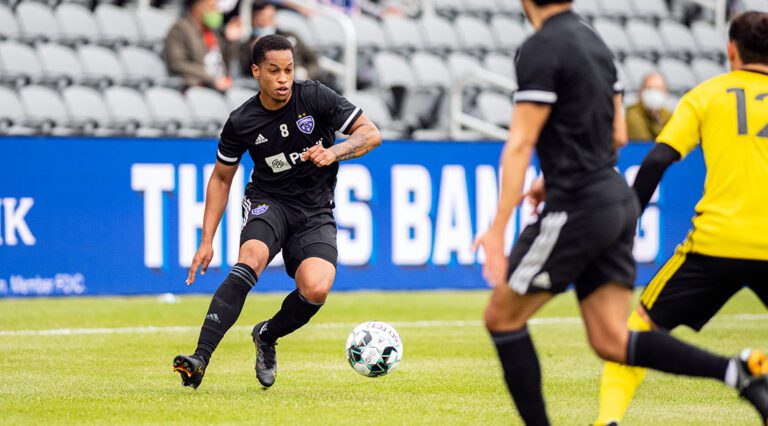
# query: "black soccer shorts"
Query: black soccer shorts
299,232
691,287
587,247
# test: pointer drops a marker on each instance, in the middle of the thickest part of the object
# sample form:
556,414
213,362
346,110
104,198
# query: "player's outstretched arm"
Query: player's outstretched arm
524,130
216,196
363,137
651,171
620,135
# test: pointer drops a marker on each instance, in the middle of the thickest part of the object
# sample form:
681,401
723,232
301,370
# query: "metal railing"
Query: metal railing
460,119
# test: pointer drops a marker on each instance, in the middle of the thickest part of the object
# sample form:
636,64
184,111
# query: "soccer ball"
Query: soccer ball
374,348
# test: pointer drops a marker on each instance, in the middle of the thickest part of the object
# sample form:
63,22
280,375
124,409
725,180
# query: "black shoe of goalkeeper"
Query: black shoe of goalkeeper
753,381
266,358
191,368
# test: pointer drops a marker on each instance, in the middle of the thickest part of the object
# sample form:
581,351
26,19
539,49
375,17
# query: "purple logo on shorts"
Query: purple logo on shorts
306,124
259,209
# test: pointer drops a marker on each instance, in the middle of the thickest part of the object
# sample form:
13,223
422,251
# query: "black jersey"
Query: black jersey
567,65
276,139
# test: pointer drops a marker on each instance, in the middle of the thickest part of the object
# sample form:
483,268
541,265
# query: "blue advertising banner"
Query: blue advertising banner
122,216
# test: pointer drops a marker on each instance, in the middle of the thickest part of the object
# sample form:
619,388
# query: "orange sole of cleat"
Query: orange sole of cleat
182,370
758,363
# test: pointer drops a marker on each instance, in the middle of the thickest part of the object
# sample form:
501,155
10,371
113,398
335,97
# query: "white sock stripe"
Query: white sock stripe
539,252
246,271
243,276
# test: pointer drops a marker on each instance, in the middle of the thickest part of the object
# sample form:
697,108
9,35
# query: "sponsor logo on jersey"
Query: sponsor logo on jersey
260,140
306,124
260,209
278,163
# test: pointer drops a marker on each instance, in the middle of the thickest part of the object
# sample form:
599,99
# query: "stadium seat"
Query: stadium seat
587,8
704,69
403,33
679,76
439,34
513,8
615,8
392,70
170,112
711,43
375,109
19,64
100,65
9,29
484,7
678,39
236,96
60,64
645,39
430,70
45,110
88,111
655,9
449,7
328,34
474,34
500,64
209,108
636,69
153,25
508,32
116,25
461,64
144,68
296,23
76,24
12,117
614,36
36,22
758,5
128,109
495,108
370,34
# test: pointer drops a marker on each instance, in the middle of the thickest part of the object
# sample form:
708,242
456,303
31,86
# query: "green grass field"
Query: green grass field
121,373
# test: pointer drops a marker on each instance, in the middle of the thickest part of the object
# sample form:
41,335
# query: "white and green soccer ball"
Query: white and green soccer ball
374,348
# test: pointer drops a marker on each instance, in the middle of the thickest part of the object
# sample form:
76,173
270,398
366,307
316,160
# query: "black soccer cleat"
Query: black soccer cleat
266,358
191,368
752,366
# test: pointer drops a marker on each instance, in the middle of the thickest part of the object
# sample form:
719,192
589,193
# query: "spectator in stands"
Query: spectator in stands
647,117
196,50
264,22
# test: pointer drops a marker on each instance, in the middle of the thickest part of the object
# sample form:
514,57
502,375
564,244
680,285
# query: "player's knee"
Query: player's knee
611,346
254,254
498,319
316,289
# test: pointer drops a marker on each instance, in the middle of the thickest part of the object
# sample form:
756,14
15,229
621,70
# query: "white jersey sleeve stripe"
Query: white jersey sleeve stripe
227,159
536,96
349,120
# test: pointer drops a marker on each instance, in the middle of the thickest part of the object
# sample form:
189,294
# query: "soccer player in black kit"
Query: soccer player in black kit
569,107
288,129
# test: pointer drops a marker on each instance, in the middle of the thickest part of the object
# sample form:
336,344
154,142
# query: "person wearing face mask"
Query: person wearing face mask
197,50
264,23
648,116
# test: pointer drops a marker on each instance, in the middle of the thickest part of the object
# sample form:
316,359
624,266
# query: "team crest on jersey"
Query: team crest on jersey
260,209
306,124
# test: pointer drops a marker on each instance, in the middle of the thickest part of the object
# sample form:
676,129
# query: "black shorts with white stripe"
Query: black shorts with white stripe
587,247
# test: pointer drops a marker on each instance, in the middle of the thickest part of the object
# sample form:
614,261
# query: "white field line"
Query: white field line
322,326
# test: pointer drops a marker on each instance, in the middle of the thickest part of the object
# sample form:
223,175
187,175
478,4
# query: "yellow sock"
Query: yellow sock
619,382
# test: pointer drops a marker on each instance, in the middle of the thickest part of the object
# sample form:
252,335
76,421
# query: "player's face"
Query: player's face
275,75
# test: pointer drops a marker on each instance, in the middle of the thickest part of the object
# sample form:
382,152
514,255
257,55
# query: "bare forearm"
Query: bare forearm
216,197
514,162
360,142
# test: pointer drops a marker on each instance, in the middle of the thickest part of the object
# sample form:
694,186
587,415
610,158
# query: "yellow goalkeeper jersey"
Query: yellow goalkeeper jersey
728,115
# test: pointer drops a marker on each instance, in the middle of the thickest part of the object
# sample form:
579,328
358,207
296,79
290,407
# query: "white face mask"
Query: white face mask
653,99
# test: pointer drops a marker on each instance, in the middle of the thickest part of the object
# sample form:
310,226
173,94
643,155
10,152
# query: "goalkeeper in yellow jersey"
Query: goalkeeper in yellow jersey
727,247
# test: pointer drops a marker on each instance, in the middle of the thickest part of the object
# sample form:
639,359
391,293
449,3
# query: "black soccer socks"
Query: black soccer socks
293,314
225,307
660,351
522,374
